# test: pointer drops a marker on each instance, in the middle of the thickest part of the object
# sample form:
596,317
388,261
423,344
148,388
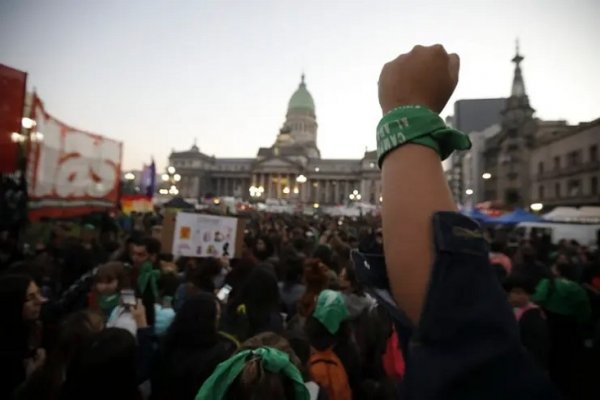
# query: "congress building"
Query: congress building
291,168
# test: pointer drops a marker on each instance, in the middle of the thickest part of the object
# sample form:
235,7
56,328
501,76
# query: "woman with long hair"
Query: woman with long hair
20,331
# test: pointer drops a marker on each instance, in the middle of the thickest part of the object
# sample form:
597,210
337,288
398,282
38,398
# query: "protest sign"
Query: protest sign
201,235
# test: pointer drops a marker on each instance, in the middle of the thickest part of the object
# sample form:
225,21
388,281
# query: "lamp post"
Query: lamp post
536,207
256,192
170,178
355,196
300,179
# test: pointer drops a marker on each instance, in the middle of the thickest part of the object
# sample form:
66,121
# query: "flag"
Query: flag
12,98
148,184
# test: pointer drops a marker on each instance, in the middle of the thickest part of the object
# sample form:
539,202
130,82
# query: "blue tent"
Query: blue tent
476,215
518,215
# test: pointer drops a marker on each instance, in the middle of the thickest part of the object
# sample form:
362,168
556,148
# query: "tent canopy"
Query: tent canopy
179,203
517,216
477,215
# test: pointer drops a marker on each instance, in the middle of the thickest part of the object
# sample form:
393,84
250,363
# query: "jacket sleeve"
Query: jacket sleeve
467,344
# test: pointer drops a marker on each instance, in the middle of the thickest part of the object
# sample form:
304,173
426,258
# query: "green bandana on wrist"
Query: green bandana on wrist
418,125
273,360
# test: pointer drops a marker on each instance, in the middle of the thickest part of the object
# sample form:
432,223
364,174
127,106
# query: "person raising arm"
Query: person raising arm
464,342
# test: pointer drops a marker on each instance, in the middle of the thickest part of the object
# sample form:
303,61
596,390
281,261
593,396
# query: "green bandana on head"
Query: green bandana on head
273,360
331,310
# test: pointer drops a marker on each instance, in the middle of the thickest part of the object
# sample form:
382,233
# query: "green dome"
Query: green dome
301,99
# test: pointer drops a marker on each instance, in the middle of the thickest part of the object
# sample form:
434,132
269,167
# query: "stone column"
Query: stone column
279,186
269,188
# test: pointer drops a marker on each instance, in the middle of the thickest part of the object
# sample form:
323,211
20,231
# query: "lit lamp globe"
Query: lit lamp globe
537,207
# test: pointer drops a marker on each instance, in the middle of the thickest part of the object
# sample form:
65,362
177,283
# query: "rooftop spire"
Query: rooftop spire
302,83
518,85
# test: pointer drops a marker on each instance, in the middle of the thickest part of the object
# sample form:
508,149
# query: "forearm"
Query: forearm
414,187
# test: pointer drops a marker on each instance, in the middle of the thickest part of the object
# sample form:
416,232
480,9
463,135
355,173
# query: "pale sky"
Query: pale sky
157,74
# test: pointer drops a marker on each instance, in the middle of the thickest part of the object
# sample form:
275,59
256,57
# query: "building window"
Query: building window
540,167
594,186
557,193
541,190
573,187
556,163
594,153
574,158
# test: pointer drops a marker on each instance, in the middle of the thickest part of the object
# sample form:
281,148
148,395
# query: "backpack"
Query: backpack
327,370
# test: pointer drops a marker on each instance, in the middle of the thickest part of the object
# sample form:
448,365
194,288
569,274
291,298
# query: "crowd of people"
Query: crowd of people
311,308
80,334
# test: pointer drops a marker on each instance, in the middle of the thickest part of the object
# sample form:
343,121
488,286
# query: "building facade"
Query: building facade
507,154
475,117
565,166
290,169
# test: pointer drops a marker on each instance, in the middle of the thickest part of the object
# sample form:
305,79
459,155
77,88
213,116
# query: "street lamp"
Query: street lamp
486,176
469,192
256,191
17,137
129,176
316,205
170,178
296,190
301,179
28,123
286,190
536,207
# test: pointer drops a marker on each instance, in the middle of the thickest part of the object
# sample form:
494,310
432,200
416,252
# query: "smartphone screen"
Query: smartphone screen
128,297
224,293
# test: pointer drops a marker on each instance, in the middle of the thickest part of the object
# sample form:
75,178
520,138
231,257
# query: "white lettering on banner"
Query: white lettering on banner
73,163
49,154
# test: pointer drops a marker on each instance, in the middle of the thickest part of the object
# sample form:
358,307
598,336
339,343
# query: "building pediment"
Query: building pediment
277,163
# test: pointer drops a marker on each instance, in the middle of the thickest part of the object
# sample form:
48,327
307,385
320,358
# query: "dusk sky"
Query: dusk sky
157,74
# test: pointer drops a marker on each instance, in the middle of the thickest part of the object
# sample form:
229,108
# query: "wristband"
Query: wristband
418,125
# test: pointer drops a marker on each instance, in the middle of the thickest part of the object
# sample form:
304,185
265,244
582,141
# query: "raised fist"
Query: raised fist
426,76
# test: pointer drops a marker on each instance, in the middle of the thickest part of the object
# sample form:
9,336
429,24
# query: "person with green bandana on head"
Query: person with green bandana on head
262,373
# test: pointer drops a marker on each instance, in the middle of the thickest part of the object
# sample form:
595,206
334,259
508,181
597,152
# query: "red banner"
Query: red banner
12,97
70,172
